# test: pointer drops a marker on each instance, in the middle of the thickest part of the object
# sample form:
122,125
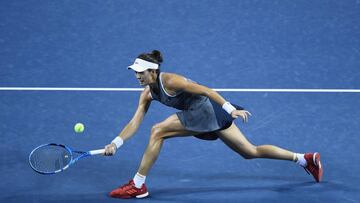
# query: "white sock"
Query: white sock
300,159
139,180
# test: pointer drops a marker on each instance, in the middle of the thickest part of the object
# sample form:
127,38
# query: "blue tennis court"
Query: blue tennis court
221,44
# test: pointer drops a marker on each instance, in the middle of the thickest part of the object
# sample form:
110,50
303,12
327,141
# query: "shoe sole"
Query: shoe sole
317,162
143,195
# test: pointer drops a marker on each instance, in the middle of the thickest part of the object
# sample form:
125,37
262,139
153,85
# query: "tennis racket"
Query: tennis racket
54,158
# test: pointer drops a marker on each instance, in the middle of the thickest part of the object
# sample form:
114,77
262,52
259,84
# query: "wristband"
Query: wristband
228,107
118,141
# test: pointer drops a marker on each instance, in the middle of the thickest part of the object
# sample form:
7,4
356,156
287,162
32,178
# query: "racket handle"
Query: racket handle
96,152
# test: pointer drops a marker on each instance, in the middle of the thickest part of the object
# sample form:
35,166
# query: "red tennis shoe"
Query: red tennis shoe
314,165
129,190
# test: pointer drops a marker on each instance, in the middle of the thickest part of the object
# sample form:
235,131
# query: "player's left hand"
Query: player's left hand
242,113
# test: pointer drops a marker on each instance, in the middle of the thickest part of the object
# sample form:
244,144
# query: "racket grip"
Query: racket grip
96,152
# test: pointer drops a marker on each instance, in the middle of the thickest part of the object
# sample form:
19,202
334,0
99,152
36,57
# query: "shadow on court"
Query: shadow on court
208,193
252,192
276,187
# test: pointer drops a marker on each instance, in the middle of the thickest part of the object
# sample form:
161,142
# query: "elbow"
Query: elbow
210,93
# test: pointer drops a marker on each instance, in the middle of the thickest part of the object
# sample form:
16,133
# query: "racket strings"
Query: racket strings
50,158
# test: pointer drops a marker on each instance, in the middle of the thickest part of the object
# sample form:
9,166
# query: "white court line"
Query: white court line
69,89
140,89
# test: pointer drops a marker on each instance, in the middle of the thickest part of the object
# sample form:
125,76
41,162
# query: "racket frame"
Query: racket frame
72,159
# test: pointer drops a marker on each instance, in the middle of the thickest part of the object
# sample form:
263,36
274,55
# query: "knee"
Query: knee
251,153
157,132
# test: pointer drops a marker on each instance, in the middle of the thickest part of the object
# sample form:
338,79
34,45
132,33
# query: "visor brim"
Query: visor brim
137,68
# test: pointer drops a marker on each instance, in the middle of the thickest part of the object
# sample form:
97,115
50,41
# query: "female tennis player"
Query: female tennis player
204,114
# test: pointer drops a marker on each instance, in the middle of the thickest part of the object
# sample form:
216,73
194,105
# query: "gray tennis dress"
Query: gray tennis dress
198,113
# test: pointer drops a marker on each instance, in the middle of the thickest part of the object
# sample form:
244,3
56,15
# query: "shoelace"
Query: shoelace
126,187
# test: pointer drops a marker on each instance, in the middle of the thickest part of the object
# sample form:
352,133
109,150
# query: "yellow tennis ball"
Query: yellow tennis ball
79,128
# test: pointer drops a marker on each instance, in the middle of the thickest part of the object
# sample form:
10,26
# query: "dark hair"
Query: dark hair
155,57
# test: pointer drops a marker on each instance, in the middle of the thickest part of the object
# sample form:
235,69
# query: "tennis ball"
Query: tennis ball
79,128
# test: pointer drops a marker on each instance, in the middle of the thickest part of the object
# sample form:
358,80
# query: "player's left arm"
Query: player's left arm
177,83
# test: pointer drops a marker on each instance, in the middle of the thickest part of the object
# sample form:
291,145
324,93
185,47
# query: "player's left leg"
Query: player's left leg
235,139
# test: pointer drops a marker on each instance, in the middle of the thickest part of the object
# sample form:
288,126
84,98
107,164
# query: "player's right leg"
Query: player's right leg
171,127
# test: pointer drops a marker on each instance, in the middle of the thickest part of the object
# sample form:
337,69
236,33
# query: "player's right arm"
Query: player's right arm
130,129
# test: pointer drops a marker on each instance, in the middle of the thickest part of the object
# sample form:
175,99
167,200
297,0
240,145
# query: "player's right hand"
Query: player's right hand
110,149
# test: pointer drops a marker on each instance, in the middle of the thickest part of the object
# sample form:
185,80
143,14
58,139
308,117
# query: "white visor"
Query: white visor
142,65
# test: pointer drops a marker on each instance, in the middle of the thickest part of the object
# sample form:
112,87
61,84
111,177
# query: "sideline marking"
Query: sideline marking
140,89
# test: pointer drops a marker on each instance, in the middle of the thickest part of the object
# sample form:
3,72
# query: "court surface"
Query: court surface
221,44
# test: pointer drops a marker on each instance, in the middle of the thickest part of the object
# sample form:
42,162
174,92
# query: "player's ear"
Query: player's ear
153,72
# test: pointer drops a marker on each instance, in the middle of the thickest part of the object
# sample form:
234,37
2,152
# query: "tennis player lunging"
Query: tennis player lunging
204,114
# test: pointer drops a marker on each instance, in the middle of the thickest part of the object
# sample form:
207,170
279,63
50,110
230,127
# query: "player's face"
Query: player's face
145,78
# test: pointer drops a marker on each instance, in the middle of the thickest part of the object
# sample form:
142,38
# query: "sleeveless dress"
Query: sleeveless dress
198,113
